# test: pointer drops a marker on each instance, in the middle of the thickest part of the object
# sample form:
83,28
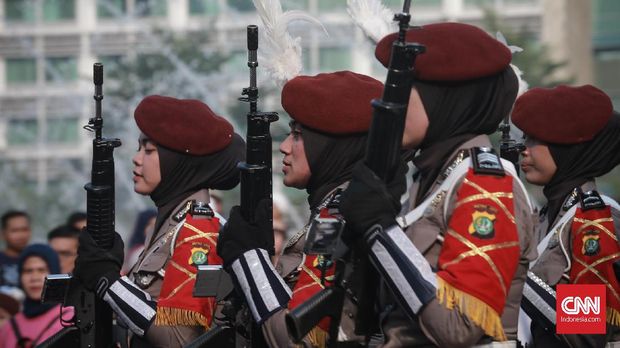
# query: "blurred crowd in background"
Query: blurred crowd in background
24,263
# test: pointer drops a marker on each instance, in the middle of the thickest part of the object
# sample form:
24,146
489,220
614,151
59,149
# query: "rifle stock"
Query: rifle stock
218,336
93,317
302,319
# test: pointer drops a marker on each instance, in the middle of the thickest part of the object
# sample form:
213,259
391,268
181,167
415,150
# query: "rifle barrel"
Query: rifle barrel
406,6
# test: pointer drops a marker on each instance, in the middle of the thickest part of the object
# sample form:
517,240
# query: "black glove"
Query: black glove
239,235
97,268
369,201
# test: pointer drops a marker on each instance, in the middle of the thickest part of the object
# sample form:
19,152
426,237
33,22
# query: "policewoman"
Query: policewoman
184,150
572,137
330,115
455,260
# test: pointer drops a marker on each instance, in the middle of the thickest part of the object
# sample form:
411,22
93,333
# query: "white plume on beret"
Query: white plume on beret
280,53
376,20
523,85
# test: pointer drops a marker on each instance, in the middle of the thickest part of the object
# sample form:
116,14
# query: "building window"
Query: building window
111,8
60,69
242,5
332,5
397,5
58,10
22,132
479,3
62,130
606,30
335,58
21,71
110,62
151,8
288,5
203,7
519,2
19,10
608,74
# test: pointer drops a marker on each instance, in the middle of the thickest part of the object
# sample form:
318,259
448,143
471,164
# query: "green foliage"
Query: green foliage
241,5
170,52
538,68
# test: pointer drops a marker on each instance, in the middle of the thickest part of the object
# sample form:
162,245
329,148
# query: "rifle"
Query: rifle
92,324
509,148
256,185
383,153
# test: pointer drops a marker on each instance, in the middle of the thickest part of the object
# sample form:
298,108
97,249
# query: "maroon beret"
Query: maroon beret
562,115
334,103
454,52
183,125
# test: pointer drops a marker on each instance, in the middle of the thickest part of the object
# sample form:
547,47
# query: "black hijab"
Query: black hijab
183,174
331,160
457,112
579,163
34,308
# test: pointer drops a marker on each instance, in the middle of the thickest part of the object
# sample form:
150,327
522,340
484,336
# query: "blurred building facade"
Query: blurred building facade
47,48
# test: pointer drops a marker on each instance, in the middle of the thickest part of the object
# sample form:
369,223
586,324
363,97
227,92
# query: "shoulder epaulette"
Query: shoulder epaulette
485,161
201,209
195,208
590,200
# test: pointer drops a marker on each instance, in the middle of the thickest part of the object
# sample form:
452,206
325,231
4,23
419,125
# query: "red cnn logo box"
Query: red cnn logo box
580,309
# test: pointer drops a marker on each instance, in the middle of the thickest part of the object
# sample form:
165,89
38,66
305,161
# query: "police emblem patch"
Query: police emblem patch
322,263
483,221
199,255
591,245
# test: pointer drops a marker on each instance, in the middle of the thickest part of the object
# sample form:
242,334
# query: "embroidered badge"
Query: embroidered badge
322,263
180,214
591,245
571,200
199,255
483,221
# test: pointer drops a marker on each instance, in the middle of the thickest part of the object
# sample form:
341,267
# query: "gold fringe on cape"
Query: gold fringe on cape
479,312
317,337
174,316
613,316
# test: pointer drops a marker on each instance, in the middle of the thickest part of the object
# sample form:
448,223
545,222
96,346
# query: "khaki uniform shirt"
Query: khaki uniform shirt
147,274
551,267
436,325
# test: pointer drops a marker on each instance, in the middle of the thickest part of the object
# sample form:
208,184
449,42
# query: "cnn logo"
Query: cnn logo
580,309
575,305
